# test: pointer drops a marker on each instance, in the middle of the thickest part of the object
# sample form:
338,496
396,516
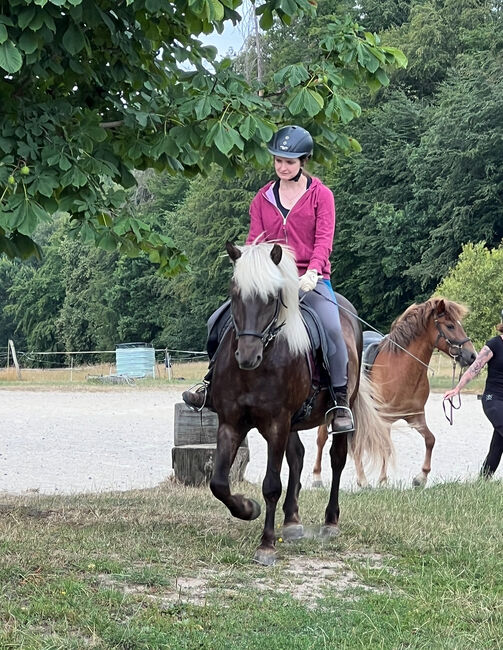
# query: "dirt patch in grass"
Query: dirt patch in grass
305,579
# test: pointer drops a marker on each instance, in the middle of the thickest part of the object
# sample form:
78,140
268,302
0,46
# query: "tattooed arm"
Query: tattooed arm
482,358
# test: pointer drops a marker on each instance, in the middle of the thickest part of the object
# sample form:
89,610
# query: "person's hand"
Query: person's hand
451,393
308,281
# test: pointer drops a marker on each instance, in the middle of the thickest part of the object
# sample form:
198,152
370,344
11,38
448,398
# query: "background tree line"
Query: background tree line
427,182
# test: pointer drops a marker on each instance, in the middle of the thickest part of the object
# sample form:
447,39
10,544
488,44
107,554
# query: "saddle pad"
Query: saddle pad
371,342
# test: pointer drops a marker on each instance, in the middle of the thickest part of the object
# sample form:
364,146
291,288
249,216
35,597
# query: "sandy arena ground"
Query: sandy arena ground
62,442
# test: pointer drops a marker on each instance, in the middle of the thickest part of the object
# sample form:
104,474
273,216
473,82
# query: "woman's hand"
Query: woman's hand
451,393
309,280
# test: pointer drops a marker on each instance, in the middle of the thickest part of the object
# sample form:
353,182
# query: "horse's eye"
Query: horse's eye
450,327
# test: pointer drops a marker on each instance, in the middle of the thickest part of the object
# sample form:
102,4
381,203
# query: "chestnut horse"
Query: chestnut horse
261,378
399,373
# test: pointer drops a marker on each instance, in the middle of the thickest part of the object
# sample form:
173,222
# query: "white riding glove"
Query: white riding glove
308,281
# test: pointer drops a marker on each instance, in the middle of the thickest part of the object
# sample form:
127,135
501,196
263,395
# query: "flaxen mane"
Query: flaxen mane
255,274
413,322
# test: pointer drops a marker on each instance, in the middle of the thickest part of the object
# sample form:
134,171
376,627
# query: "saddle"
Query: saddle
371,342
220,322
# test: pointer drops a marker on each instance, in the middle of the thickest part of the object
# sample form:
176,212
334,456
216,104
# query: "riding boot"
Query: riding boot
198,397
340,413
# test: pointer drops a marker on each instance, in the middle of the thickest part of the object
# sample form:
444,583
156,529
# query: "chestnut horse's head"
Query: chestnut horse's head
451,337
440,320
264,301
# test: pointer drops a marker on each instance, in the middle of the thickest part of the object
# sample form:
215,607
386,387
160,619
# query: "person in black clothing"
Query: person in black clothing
492,399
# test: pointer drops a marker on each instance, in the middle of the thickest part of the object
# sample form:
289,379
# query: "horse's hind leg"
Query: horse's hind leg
228,441
321,440
292,528
338,455
419,423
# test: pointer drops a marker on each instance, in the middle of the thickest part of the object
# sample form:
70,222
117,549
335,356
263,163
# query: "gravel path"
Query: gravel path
62,442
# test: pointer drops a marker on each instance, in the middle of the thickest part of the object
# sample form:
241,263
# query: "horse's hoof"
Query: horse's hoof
419,481
318,483
256,510
265,556
363,484
292,532
330,531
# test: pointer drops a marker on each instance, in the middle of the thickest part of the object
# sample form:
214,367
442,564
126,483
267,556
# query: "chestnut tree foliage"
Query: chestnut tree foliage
91,90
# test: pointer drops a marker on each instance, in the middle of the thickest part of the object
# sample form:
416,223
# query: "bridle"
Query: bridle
455,345
455,350
270,331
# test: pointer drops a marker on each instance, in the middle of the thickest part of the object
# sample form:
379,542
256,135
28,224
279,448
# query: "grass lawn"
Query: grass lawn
170,568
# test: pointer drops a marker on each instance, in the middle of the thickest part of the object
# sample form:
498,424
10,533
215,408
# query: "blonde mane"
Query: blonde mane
256,275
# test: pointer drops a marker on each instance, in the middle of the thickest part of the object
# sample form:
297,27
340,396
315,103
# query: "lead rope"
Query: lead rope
450,416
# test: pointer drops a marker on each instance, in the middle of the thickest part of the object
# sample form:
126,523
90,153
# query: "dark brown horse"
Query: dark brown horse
399,374
261,378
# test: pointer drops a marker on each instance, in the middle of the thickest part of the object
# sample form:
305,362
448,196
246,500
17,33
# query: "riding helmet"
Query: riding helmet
291,142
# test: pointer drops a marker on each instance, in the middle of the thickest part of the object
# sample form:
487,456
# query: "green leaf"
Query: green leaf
3,34
25,17
304,99
10,58
398,55
28,42
293,74
382,77
266,20
223,138
107,242
203,108
96,133
73,39
87,234
248,127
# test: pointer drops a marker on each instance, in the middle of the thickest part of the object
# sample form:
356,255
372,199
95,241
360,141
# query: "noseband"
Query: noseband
269,332
455,345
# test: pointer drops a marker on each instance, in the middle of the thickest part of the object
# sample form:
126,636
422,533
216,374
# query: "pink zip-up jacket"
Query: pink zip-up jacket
308,229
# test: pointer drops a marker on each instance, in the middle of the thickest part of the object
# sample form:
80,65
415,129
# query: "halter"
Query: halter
455,345
269,332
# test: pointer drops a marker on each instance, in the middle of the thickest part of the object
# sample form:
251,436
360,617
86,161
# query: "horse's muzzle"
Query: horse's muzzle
249,357
466,358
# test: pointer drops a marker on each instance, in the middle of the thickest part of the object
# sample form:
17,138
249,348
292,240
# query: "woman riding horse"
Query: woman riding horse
299,211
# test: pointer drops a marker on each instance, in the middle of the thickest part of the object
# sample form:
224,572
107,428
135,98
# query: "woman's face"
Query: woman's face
286,168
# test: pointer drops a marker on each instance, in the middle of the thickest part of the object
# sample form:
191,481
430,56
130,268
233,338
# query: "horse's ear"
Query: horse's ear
276,254
440,308
233,250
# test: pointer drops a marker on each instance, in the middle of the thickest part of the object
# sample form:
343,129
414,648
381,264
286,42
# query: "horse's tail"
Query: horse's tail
372,436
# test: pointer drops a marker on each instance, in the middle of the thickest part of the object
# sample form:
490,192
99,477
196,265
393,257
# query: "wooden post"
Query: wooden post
193,454
14,358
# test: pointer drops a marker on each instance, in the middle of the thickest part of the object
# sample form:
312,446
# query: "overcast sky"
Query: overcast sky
229,38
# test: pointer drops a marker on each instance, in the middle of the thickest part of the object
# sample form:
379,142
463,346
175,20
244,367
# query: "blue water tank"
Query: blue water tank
135,359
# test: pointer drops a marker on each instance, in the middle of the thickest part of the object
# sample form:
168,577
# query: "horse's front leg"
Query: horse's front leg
292,528
321,440
277,437
228,441
338,455
419,422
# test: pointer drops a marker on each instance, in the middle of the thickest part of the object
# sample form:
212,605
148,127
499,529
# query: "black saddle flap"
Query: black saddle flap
371,341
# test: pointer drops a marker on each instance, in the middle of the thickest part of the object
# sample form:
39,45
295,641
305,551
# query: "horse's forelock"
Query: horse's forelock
453,310
255,274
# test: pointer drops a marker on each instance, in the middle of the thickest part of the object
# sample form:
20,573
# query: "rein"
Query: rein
383,335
